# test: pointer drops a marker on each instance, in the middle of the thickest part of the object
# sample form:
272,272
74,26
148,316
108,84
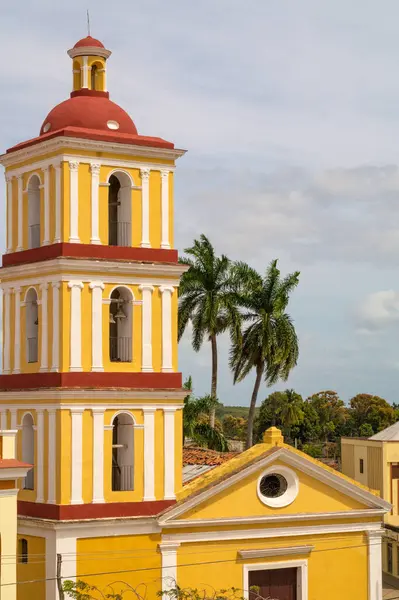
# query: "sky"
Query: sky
290,114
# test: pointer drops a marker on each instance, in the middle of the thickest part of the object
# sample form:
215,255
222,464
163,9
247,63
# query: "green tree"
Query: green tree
208,300
331,411
234,427
291,410
197,428
371,410
269,343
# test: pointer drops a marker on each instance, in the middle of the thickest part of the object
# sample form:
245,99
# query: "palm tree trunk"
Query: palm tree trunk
214,378
251,414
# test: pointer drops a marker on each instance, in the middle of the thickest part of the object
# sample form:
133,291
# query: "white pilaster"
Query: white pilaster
145,208
146,365
85,73
169,452
9,214
55,354
74,202
40,455
375,564
98,455
149,454
46,239
20,215
44,328
57,204
17,331
52,449
96,325
3,419
169,565
7,332
95,183
166,292
76,455
75,360
165,243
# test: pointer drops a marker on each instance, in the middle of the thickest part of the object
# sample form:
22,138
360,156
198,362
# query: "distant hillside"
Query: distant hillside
235,411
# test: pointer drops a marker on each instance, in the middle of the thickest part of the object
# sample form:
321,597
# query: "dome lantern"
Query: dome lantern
89,65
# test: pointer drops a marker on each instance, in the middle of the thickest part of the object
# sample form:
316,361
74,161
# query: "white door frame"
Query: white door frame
302,575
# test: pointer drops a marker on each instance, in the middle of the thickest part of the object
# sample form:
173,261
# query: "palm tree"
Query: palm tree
207,299
269,343
199,430
291,410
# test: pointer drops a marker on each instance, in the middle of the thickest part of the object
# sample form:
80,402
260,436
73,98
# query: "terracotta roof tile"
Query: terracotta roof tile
203,456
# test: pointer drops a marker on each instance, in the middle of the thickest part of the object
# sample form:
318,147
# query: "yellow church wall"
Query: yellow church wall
76,71
65,205
178,449
242,500
132,559
160,455
65,311
84,226
216,565
157,330
8,541
155,209
33,570
175,353
171,209
86,308
137,212
63,484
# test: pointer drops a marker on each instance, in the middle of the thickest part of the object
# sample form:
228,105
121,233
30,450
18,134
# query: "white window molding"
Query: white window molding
75,351
149,454
146,362
165,242
268,552
97,288
95,182
74,202
292,488
145,208
302,575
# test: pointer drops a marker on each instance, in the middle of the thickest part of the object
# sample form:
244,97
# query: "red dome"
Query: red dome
89,42
89,112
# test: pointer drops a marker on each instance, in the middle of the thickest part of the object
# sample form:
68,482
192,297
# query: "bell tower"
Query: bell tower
90,277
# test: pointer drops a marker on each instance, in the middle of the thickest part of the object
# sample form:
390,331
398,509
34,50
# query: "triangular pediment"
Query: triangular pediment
312,489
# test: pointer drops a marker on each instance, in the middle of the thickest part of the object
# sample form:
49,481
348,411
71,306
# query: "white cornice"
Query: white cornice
275,518
290,458
107,268
58,143
273,532
267,552
89,51
90,398
89,528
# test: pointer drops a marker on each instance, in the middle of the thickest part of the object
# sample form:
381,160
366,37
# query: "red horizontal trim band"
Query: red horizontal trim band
90,251
86,92
98,135
167,381
62,512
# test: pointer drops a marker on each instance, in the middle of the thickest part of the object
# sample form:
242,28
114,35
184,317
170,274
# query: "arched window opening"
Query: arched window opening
23,551
120,326
123,453
28,449
32,326
93,77
119,210
34,212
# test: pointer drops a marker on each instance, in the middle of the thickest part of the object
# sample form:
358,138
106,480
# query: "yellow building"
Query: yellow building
374,462
90,382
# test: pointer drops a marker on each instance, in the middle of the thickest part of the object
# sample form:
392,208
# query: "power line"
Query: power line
196,564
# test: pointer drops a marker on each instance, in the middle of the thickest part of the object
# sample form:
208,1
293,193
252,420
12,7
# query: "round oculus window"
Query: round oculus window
47,127
273,485
112,124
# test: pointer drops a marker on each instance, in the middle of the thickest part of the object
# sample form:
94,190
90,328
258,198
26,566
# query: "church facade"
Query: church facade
91,384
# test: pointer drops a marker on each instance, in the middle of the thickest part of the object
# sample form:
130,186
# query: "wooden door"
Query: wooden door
274,584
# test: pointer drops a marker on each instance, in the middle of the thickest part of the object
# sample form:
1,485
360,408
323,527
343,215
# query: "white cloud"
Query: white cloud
379,310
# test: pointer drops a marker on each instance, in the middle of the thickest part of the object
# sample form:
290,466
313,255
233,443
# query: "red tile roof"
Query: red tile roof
12,463
203,456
